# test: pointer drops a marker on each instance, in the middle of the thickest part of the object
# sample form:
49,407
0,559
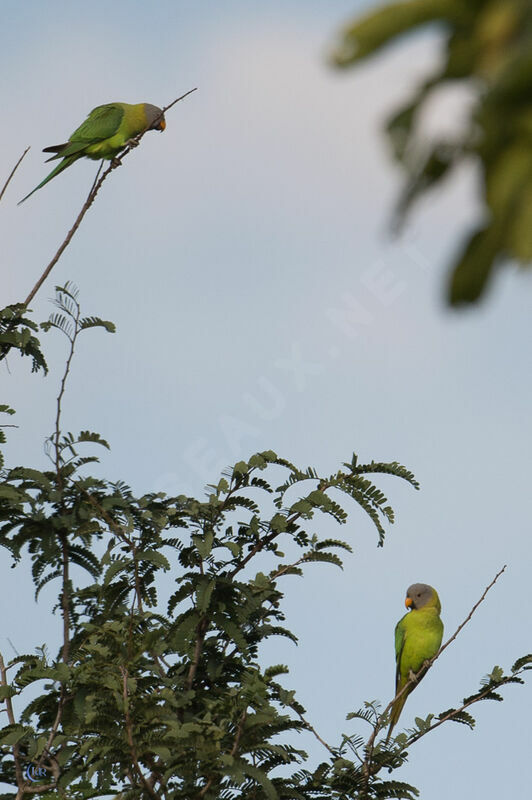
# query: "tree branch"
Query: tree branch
315,732
11,718
6,184
201,630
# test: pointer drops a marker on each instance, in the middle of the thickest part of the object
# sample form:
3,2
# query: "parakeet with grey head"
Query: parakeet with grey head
418,638
105,132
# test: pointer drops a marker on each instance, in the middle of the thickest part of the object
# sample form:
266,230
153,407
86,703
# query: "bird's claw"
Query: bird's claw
132,143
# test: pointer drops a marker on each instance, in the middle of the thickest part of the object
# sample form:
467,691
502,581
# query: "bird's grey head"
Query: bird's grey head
419,595
154,117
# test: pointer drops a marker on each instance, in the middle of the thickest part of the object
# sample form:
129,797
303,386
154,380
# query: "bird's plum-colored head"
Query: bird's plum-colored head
419,594
154,117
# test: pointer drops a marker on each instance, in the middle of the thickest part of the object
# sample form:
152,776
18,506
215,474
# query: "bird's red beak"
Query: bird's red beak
408,602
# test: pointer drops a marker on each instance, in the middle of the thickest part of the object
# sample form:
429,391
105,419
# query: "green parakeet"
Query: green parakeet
104,133
418,638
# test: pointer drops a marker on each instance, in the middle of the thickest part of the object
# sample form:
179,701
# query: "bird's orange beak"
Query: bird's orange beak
162,125
408,601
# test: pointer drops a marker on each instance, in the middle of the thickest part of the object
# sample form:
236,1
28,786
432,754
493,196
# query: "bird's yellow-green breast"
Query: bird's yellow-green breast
420,631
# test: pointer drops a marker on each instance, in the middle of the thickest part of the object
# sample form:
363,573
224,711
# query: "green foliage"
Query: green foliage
489,46
175,702
16,333
4,409
166,697
186,687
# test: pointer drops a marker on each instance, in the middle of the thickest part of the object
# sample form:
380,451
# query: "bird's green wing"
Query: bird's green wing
102,123
399,644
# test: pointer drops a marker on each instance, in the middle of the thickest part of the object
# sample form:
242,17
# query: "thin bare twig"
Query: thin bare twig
6,184
315,732
455,634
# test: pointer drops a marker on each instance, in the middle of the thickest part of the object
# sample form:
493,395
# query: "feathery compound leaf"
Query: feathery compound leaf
16,332
61,322
325,543
525,662
96,322
40,584
153,557
326,558
394,789
391,468
91,436
464,718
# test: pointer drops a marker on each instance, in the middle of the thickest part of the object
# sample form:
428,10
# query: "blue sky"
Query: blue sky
259,303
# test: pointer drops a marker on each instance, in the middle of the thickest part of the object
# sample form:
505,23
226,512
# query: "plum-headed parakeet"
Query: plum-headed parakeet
105,132
418,638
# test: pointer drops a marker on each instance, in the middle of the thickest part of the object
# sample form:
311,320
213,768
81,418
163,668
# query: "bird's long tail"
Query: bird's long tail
66,162
396,712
